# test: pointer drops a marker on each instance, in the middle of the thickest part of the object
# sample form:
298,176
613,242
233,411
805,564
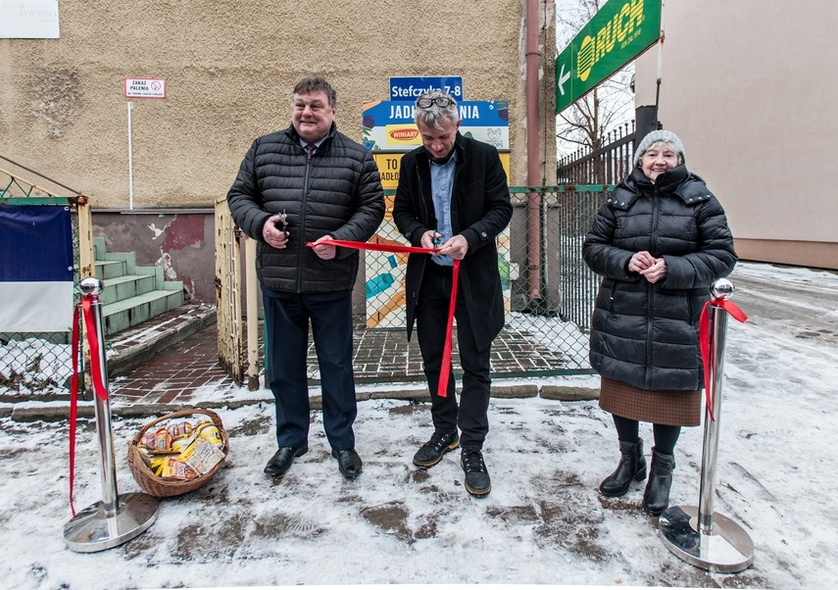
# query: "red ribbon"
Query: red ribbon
95,373
445,370
374,247
704,341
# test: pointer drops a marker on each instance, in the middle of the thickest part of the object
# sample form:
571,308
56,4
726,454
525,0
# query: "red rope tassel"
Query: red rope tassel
704,341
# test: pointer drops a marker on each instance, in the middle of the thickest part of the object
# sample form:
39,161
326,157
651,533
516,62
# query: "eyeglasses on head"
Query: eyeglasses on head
440,101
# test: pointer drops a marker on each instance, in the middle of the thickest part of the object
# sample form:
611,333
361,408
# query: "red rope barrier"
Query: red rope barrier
93,342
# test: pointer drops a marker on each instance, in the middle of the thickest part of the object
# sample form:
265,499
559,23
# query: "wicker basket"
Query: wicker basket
159,487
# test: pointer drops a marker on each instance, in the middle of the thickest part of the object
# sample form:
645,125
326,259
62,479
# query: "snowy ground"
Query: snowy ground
544,522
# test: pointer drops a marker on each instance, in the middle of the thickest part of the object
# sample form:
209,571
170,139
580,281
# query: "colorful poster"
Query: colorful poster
388,124
390,163
389,131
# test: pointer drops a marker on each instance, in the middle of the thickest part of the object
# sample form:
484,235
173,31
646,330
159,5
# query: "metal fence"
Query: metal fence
552,296
606,163
42,361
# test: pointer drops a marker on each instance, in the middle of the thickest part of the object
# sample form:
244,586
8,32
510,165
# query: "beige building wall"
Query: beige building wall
229,69
750,88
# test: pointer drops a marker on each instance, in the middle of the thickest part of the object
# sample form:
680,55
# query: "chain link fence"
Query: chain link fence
548,289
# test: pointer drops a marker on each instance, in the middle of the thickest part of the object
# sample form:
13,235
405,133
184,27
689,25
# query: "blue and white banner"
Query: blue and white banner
36,268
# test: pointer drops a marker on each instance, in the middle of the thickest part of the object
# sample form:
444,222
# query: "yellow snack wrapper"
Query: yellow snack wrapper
202,455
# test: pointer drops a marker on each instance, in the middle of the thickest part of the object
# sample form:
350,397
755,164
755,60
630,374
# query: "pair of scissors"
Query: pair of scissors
283,223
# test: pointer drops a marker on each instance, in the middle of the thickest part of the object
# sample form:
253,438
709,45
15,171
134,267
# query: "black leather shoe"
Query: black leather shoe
478,482
349,463
432,451
282,459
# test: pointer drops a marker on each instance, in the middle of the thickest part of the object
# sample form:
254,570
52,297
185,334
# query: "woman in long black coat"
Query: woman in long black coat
659,242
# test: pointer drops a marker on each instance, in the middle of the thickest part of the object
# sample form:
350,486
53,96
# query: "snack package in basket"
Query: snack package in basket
171,468
201,455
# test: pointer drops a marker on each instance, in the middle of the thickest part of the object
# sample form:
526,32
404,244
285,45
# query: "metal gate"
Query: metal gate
228,292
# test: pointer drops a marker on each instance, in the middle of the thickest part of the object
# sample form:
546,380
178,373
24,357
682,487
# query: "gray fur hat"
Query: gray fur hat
655,136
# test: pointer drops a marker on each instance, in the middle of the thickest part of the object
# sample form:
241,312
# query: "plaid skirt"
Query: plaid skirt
670,407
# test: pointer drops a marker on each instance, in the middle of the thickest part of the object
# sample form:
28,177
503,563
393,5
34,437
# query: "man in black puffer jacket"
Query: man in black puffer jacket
659,242
309,183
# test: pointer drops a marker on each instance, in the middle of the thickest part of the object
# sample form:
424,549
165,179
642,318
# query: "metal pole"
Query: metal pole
102,411
534,199
116,519
697,535
709,453
661,39
130,157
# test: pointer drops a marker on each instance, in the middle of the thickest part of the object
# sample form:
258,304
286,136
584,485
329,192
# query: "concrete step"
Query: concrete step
98,247
132,294
121,315
105,270
129,260
127,286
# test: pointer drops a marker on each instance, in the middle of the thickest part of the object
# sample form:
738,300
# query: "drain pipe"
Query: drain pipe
533,160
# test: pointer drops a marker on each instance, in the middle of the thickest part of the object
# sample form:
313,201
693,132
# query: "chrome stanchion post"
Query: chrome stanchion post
697,535
710,448
116,519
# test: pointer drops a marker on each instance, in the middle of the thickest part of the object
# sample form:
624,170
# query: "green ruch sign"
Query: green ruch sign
619,32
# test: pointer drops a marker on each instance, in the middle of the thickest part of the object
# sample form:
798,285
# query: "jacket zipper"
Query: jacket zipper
302,226
650,299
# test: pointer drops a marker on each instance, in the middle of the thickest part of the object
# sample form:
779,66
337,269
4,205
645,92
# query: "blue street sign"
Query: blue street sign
410,87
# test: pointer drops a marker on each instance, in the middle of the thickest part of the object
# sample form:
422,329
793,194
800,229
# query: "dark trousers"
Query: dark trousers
287,317
431,317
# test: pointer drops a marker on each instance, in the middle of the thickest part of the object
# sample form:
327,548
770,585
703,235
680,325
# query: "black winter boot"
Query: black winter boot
632,466
656,497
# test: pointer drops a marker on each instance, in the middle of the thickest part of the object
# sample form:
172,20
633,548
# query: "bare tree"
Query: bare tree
587,122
